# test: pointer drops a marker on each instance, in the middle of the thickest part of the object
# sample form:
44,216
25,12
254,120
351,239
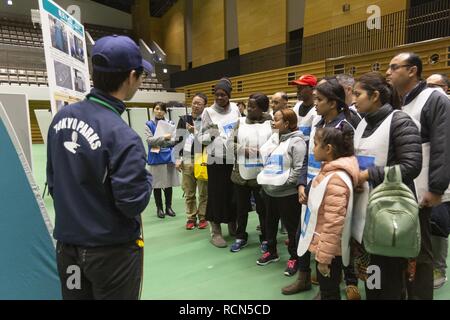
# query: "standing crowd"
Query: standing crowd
358,173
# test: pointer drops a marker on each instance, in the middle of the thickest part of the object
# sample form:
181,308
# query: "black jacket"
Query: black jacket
96,174
435,123
405,147
182,135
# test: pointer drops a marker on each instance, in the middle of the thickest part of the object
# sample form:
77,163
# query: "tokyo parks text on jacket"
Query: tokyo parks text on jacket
96,173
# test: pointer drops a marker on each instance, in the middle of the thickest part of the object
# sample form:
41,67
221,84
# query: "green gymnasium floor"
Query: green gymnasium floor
183,265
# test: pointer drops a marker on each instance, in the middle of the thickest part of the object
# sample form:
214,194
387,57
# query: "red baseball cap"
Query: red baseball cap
305,80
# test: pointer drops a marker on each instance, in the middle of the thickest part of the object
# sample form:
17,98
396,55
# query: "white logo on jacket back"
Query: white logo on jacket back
79,127
72,146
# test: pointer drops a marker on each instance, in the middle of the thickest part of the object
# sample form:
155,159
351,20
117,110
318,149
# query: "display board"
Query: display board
65,55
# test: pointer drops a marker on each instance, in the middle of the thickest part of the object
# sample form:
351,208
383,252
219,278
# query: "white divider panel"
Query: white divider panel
17,110
138,118
176,113
44,119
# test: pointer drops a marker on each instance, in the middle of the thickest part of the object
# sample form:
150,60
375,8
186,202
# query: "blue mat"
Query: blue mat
28,263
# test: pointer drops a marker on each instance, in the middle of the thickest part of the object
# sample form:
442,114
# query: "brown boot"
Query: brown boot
216,236
303,283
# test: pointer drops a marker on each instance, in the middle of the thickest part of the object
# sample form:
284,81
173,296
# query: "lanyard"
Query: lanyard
105,104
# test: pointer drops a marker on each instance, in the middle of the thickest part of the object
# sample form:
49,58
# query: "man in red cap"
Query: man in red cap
305,105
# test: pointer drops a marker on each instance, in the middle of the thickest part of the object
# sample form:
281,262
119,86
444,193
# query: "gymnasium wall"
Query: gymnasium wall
261,24
325,15
173,35
208,32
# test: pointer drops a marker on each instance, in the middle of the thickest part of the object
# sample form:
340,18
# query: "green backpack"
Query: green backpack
392,226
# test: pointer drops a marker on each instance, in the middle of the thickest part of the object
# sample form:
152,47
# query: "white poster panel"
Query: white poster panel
138,119
17,109
44,119
65,55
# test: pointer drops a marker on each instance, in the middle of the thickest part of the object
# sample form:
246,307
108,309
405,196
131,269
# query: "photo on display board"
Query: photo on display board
76,48
59,35
63,76
80,85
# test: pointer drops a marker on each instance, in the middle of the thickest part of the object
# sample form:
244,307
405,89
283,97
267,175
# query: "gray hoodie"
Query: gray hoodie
296,151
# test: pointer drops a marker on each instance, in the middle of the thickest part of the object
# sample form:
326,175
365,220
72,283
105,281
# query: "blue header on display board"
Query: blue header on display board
63,16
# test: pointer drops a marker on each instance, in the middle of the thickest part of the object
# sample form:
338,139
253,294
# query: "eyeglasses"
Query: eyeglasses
198,104
394,66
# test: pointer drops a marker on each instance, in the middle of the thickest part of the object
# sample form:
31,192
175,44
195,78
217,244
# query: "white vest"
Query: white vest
305,123
277,163
371,151
309,217
253,136
414,110
226,123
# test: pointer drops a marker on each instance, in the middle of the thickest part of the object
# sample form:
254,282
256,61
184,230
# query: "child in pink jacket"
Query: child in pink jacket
328,201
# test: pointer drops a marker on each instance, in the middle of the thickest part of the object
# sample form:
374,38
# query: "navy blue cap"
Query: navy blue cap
118,54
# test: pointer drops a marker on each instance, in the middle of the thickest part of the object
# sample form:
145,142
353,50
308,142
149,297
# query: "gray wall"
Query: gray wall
91,12
295,14
231,25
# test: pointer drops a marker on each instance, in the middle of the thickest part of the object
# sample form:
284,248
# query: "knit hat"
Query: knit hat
225,85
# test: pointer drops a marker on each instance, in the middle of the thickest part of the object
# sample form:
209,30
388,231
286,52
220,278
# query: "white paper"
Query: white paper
163,128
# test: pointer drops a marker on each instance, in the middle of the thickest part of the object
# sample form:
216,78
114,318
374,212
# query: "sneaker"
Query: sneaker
190,225
238,245
264,247
292,267
352,293
267,258
439,279
203,224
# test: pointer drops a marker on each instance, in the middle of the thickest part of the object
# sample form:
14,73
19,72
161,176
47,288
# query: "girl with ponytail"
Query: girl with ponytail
330,200
333,112
385,137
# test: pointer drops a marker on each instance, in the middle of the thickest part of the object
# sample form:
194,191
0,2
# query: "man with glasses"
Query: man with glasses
430,109
188,144
438,80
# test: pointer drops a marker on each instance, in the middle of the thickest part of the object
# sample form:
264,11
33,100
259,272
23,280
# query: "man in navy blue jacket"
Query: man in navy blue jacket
96,175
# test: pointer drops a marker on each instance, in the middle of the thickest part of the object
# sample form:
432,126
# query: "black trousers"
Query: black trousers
243,194
422,287
158,197
329,287
220,207
288,209
101,273
392,278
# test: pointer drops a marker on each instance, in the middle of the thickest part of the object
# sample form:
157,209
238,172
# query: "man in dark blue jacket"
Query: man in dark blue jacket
96,175
431,112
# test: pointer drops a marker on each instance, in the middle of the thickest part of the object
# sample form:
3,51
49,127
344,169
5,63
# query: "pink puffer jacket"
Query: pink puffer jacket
326,243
